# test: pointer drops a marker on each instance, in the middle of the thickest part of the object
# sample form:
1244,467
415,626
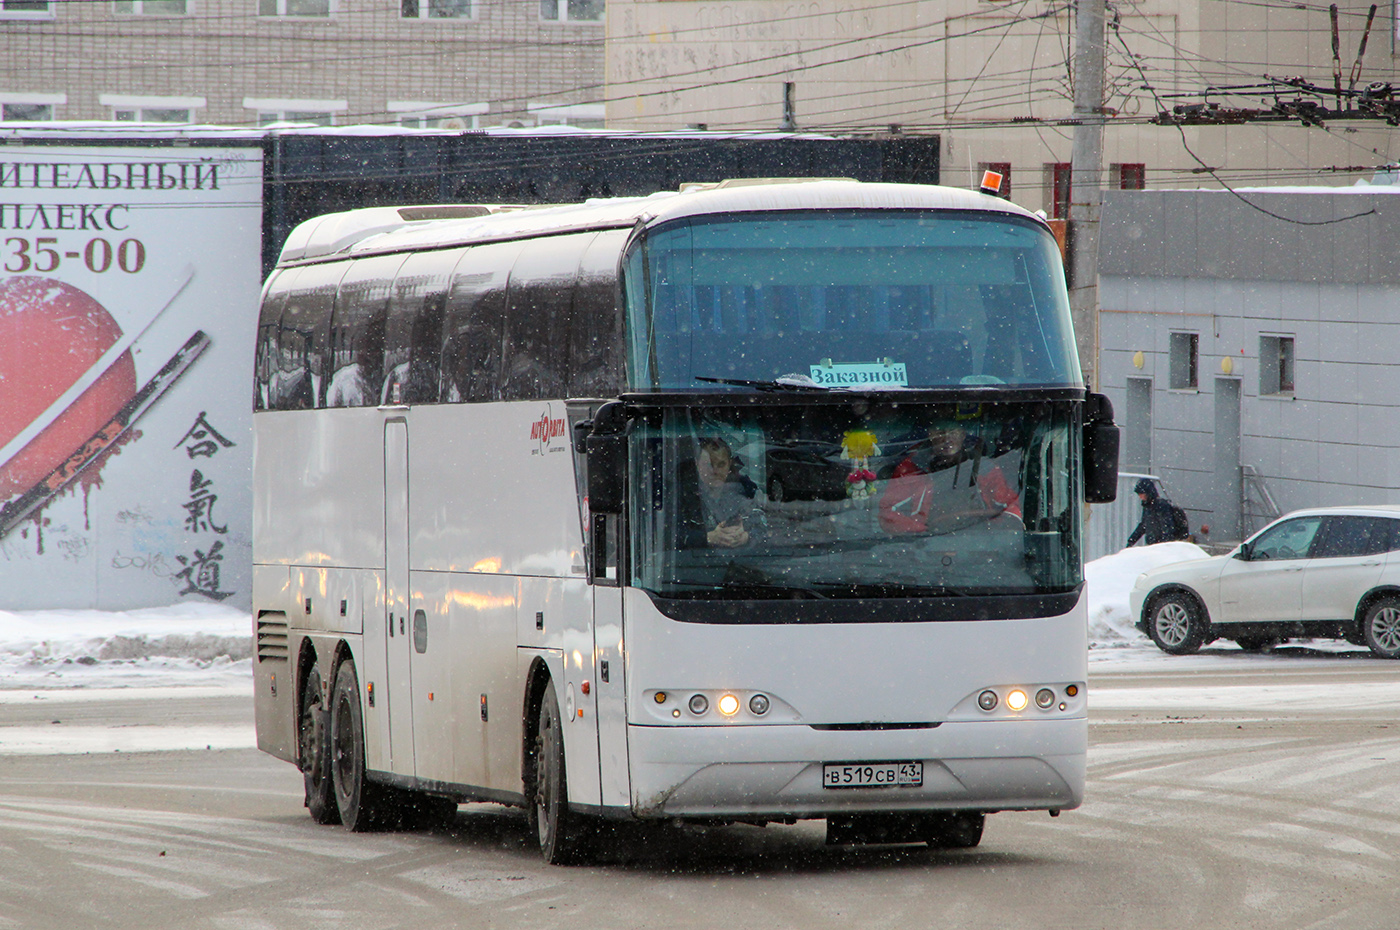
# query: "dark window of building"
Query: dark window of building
1276,365
1182,361
1057,189
1129,177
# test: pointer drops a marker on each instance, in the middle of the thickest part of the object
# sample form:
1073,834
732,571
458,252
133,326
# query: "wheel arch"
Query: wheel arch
1370,597
1174,587
537,680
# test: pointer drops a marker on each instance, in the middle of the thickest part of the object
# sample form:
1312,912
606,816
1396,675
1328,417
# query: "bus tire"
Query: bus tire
313,736
361,803
1176,623
956,829
563,835
1381,628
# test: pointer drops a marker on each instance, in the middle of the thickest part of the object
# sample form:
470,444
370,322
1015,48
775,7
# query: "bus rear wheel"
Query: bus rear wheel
563,835
361,803
315,750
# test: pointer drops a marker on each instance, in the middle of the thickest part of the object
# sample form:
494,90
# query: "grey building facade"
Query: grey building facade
1249,344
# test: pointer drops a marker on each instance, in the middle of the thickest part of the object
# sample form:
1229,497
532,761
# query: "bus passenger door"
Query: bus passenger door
398,687
610,672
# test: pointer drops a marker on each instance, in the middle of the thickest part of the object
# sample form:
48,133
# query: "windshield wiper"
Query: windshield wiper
785,383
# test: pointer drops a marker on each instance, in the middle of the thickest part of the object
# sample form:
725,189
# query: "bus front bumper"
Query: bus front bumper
776,771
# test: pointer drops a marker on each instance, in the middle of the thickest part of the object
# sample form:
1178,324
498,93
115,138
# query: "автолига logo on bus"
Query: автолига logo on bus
546,430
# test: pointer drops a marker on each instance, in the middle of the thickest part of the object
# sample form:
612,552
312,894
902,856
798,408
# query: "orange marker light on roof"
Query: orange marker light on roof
991,182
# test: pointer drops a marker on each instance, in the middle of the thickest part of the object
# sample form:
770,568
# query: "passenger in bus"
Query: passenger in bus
942,485
716,500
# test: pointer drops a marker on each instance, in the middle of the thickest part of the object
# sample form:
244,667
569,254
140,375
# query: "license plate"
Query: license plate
872,775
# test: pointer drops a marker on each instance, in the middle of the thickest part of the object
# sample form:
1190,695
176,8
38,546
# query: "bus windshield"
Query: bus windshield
895,298
860,500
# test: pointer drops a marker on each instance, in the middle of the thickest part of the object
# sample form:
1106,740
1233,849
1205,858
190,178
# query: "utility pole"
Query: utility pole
1086,166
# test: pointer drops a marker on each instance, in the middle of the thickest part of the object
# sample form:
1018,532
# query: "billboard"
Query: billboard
128,302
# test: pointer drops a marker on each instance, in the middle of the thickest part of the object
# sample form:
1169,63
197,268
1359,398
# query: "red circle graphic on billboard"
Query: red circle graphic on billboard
51,333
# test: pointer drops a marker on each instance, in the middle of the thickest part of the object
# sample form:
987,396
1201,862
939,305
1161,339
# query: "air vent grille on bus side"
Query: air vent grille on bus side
272,636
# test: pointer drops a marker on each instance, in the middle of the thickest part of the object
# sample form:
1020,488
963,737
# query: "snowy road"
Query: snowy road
1229,791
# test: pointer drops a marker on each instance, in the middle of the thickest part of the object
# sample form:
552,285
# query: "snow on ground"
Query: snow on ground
190,644
209,645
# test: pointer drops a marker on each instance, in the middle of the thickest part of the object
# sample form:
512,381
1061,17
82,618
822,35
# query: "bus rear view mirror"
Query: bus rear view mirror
607,459
1100,451
607,468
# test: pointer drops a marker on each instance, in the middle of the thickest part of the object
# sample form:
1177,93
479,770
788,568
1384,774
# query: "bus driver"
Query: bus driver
715,500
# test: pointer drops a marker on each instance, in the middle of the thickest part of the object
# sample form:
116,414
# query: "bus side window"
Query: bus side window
595,366
304,340
474,324
357,332
540,302
413,341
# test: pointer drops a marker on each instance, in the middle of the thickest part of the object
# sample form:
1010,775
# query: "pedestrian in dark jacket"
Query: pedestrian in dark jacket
1158,521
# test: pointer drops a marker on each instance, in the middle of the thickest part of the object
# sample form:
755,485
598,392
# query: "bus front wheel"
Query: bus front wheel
563,835
360,802
314,735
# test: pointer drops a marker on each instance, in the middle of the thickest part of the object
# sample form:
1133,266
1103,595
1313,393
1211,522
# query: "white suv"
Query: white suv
1329,572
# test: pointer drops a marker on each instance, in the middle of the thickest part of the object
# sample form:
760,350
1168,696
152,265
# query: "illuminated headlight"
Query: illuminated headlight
728,705
758,705
987,700
1044,698
1016,699
699,704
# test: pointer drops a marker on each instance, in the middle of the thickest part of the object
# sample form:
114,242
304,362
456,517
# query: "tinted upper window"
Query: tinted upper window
357,332
1348,536
413,340
919,299
541,297
474,324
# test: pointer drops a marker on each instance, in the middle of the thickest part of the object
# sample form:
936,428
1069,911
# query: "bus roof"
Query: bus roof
378,230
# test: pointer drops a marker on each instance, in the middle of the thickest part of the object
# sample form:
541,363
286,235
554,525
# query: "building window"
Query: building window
26,9
424,114
1182,361
294,7
580,115
1002,168
1057,189
1276,365
143,109
436,9
279,110
1128,177
314,117
572,11
26,112
151,7
150,115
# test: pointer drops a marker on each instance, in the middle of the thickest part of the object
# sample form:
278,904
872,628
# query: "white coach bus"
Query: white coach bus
753,502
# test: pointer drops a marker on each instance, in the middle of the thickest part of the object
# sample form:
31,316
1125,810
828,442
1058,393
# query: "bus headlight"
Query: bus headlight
728,705
758,704
987,700
1044,698
1016,699
699,704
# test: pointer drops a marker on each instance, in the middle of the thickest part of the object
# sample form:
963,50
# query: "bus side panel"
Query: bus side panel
568,627
466,683
274,681
327,599
373,667
318,487
612,696
494,490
